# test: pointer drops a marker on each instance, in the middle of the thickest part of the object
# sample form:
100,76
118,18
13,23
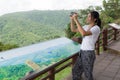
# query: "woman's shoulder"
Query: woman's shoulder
96,27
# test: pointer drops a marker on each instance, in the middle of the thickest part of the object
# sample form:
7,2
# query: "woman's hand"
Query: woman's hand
72,24
71,18
75,16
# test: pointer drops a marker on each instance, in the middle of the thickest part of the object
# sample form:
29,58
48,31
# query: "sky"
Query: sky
9,6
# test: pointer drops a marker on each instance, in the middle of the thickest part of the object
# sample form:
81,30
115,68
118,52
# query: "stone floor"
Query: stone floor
107,67
115,46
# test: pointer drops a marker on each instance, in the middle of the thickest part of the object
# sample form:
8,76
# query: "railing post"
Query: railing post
51,72
74,58
97,46
104,39
115,33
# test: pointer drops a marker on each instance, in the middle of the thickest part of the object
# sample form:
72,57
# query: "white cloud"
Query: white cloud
7,6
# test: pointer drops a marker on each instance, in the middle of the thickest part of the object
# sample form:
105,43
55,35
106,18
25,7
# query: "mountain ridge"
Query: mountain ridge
29,27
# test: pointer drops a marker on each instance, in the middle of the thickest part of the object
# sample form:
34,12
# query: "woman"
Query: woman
90,33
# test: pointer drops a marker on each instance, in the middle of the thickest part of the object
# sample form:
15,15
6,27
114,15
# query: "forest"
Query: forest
30,27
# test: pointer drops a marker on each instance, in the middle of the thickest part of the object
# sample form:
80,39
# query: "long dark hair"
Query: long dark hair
95,15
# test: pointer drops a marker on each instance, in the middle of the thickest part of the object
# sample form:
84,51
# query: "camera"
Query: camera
71,14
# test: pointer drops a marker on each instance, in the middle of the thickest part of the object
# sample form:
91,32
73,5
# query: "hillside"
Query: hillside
25,28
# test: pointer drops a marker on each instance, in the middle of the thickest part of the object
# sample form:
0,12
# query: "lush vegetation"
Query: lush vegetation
25,28
4,47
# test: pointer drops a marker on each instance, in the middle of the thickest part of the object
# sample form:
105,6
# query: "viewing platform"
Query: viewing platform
107,64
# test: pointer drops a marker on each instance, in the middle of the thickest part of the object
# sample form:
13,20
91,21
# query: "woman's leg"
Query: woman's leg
77,69
88,58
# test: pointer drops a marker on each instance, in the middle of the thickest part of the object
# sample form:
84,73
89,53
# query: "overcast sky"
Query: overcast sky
8,6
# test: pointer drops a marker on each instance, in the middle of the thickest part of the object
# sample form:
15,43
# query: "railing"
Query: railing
105,38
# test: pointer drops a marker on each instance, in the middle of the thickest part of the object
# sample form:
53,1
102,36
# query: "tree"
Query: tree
68,32
4,47
110,12
112,8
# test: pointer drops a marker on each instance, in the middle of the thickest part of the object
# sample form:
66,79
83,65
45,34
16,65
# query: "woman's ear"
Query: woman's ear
95,20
